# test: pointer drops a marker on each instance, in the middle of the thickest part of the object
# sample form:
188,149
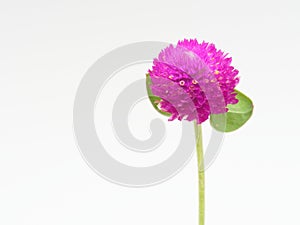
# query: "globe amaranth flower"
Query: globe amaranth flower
193,80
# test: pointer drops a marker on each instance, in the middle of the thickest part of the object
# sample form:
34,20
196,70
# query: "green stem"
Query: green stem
201,177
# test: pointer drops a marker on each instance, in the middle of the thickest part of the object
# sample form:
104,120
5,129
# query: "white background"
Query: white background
47,46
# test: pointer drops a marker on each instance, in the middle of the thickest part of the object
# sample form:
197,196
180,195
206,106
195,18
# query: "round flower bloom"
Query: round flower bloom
193,80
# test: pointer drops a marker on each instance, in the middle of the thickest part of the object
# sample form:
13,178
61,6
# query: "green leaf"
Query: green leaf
237,115
155,100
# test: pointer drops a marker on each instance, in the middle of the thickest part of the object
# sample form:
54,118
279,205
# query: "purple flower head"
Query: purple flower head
193,80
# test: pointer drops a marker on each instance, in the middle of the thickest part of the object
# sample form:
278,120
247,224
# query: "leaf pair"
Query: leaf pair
236,116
